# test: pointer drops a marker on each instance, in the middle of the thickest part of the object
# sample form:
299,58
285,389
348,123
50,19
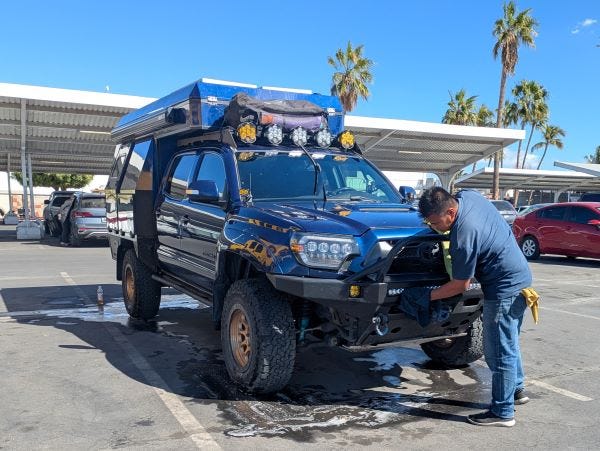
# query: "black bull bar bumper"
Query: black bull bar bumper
370,315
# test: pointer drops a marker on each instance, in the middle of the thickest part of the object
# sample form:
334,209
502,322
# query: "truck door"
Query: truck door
202,223
170,209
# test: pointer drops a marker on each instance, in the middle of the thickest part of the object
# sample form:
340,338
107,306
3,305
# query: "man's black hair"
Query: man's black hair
435,201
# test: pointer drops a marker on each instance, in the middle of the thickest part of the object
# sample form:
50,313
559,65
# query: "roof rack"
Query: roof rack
201,105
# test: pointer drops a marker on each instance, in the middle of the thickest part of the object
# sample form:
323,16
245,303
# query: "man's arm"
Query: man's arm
450,289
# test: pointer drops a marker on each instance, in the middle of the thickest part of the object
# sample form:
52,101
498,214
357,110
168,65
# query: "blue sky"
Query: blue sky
421,50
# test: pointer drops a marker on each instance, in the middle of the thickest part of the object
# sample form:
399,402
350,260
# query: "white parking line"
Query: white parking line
570,313
196,432
560,391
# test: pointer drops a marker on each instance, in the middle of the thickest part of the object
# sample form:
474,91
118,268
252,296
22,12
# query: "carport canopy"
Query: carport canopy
68,131
587,168
530,179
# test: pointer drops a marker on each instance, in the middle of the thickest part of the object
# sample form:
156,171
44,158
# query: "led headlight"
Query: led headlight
323,138
323,251
299,136
274,134
247,132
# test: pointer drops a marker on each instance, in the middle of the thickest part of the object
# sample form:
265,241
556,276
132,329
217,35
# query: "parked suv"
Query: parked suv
268,211
52,224
88,218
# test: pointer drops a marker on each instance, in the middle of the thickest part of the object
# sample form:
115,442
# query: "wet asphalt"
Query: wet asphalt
75,377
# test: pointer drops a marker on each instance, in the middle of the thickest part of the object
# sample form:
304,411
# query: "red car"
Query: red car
571,229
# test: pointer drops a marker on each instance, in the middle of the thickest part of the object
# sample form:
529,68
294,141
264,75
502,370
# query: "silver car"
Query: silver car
88,218
506,209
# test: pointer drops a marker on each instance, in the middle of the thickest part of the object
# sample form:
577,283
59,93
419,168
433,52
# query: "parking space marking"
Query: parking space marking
196,432
560,391
570,313
3,308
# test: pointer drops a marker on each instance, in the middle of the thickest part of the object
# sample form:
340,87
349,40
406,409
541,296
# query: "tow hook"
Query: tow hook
381,324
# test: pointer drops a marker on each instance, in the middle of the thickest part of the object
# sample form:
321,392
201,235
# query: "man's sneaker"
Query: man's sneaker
487,418
521,397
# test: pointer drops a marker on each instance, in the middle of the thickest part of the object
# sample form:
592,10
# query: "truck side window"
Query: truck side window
213,168
179,176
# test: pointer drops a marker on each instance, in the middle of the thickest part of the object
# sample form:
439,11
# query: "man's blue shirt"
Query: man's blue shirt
482,245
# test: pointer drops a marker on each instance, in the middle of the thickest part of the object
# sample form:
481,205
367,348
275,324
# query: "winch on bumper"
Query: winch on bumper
364,306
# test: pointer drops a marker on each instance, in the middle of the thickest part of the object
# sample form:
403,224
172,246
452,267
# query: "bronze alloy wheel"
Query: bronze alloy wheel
129,283
239,337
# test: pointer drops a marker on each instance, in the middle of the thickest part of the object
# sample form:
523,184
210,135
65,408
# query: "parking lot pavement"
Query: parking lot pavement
75,378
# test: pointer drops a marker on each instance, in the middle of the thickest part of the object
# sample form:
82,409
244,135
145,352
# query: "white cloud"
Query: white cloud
583,24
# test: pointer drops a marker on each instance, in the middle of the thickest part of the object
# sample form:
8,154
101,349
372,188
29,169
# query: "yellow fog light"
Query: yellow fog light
346,140
247,132
354,291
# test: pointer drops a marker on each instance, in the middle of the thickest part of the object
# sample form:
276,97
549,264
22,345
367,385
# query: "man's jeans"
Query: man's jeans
502,320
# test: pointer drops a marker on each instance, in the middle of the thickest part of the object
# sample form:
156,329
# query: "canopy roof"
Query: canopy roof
530,179
588,168
69,131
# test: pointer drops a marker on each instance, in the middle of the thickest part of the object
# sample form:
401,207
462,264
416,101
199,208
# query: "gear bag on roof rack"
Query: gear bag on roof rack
288,114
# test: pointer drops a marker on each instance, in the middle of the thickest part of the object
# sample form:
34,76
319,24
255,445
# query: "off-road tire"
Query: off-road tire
268,332
457,352
141,293
530,248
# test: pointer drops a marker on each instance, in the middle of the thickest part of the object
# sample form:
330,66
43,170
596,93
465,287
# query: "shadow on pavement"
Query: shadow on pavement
331,389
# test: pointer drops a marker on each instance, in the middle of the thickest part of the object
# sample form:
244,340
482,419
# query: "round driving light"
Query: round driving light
347,248
346,140
299,136
311,246
247,132
323,247
323,138
274,134
334,248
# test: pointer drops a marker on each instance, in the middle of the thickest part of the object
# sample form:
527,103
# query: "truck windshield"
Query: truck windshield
275,174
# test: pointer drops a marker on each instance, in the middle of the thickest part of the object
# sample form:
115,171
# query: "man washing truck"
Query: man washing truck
257,201
482,245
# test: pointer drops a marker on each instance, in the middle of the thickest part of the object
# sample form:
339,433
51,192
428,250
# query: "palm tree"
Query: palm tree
461,109
594,158
532,109
352,73
510,31
552,134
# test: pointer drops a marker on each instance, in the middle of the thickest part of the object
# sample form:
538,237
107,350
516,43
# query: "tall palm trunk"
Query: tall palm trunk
527,148
496,183
519,148
542,159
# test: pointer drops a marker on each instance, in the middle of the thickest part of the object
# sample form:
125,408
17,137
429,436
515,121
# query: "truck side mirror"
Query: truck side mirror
46,201
203,191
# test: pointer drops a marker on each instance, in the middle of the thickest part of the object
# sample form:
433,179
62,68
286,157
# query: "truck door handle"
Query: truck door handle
158,213
185,219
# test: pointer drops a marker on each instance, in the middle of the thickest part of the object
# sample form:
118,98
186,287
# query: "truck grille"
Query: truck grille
419,257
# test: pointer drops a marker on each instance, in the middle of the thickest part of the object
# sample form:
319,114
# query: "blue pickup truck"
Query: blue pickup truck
258,202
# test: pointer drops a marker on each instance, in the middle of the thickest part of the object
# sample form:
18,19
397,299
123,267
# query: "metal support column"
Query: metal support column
23,162
10,200
31,196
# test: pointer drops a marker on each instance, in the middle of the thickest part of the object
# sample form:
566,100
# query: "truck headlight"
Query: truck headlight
323,251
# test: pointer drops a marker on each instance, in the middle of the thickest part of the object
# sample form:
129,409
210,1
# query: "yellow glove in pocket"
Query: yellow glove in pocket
532,299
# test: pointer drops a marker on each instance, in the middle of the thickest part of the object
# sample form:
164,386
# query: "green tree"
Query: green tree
594,158
531,99
57,181
510,31
552,135
461,109
351,76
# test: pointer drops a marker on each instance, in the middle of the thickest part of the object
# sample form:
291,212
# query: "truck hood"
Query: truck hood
349,218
